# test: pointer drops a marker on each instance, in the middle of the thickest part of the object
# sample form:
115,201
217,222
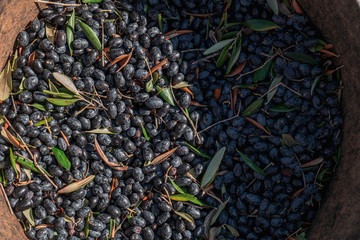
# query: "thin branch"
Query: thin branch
193,50
56,3
6,198
292,90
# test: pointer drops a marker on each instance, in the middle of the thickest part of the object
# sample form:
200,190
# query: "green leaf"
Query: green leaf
87,227
149,86
218,211
234,55
5,82
283,108
229,35
165,94
111,226
288,140
160,22
233,231
38,106
100,131
260,24
66,82
197,151
28,214
62,102
261,74
230,25
185,197
61,158
90,34
274,82
185,216
251,164
301,57
59,94
176,186
43,121
273,4
72,187
253,107
223,55
70,30
322,175
30,165
213,168
12,160
218,46
145,133
92,1
52,87
315,83
251,85
155,76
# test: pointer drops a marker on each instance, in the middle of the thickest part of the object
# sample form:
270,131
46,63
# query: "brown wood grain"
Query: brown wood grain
339,215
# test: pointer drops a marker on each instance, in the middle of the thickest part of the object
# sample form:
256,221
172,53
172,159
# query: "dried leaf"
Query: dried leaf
181,85
165,93
186,89
218,46
70,30
313,162
90,34
185,216
201,15
213,168
196,104
162,157
258,125
72,187
66,82
5,82
162,63
61,158
297,7
50,32
197,151
106,160
176,33
253,107
237,70
327,52
218,211
273,4
28,214
301,57
217,93
272,93
62,102
288,140
10,138
251,164
176,186
100,131
214,232
260,25
125,60
283,108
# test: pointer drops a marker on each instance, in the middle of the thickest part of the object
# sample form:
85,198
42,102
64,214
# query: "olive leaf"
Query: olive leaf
213,168
233,231
30,165
253,107
61,158
5,82
59,94
145,133
182,84
72,187
315,83
260,24
301,57
162,157
106,160
261,74
218,46
176,186
87,226
251,164
273,4
234,55
197,151
185,216
223,55
52,87
10,138
218,211
159,18
288,140
165,93
66,82
62,102
229,35
38,106
185,197
90,34
251,85
322,175
314,162
28,214
13,162
100,131
149,86
42,122
50,32
283,108
70,30
176,33
272,93
92,1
